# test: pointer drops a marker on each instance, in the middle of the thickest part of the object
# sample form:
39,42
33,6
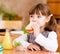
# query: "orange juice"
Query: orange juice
7,43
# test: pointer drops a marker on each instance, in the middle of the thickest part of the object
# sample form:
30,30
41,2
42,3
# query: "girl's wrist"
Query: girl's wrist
36,33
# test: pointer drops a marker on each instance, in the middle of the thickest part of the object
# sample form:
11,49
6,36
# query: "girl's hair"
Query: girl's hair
45,10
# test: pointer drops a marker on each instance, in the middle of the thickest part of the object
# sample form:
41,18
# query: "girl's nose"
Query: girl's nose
34,19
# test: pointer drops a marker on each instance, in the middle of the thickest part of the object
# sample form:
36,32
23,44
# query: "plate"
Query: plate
17,32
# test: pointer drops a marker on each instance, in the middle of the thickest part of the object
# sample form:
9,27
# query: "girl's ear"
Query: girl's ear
48,18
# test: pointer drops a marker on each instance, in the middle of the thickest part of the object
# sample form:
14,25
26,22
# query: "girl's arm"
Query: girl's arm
49,43
22,40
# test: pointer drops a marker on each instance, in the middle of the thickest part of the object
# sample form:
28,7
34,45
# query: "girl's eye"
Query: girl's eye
31,16
38,16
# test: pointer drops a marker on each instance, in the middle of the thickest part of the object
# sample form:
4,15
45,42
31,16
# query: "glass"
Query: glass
19,47
1,48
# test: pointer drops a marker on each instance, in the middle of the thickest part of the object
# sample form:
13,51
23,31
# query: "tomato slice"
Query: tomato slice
29,30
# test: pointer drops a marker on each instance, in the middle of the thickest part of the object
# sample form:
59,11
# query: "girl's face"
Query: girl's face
39,19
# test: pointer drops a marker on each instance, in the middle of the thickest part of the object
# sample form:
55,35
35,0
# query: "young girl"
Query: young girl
43,36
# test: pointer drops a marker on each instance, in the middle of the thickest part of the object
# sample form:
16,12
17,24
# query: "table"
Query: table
14,51
27,52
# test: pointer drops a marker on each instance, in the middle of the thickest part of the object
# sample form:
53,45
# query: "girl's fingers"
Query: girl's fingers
30,49
36,48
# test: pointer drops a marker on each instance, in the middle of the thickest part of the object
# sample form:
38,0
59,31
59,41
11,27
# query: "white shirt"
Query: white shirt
50,43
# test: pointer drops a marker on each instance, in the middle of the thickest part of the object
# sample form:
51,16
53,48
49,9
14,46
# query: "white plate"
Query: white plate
17,32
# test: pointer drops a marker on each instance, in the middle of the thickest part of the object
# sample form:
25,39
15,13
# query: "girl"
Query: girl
43,36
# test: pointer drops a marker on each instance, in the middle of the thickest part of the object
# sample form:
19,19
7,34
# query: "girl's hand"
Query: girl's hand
33,47
35,25
36,28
